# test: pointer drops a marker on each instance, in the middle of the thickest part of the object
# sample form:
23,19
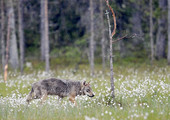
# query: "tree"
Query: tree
7,49
21,34
137,25
151,31
42,29
111,34
13,52
46,39
160,40
102,34
168,32
91,38
2,34
111,42
44,34
111,59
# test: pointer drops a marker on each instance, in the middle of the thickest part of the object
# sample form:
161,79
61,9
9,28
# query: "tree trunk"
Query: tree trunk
168,32
111,58
151,32
42,29
91,38
13,42
102,35
21,34
7,49
47,64
160,41
137,26
123,51
2,34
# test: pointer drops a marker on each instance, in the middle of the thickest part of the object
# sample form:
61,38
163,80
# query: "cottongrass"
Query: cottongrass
140,94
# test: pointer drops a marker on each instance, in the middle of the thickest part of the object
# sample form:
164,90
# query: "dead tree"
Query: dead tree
111,42
111,58
111,34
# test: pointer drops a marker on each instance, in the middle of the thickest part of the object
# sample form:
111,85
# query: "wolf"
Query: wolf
61,88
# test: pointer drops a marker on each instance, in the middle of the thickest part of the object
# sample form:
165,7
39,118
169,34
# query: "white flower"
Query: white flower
106,112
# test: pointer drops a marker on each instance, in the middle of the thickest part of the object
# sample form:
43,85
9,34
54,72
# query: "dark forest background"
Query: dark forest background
69,30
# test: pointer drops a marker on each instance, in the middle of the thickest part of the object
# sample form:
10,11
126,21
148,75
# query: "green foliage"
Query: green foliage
127,104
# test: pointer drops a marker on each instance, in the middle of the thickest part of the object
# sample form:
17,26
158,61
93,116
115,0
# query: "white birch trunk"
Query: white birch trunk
102,34
47,64
21,34
42,30
91,38
111,58
13,42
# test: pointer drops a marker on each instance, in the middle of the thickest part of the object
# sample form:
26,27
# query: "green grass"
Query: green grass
141,92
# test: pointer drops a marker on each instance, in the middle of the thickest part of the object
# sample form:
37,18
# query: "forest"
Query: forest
122,47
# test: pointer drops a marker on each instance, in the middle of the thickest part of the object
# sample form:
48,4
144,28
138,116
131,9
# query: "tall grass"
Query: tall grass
142,92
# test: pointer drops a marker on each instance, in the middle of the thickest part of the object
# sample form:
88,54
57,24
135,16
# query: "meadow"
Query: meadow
142,92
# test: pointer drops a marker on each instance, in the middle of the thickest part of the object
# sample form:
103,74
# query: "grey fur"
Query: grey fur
62,88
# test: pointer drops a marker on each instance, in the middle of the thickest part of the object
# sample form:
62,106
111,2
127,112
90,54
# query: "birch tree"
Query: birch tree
46,37
42,29
91,38
21,33
102,34
111,58
13,52
111,42
44,34
111,34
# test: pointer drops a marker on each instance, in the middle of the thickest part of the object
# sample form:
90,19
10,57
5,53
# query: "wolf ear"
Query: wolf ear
88,83
84,83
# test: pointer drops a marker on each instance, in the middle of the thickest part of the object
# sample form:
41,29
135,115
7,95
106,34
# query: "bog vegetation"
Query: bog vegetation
69,40
141,92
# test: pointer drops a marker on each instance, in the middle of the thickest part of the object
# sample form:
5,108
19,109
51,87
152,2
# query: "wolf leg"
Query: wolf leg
30,96
44,97
72,99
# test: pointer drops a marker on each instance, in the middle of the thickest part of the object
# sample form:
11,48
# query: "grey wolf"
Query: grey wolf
59,87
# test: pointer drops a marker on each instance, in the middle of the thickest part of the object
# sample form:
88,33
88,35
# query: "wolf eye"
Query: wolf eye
88,90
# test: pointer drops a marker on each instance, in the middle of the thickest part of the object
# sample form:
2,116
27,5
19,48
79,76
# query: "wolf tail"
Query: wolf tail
30,96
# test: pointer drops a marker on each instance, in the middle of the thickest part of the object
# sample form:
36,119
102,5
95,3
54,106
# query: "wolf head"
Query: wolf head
86,89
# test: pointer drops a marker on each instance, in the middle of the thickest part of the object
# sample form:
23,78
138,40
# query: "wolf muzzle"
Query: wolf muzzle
91,95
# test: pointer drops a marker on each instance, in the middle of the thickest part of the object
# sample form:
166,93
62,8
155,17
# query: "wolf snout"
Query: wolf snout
91,95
